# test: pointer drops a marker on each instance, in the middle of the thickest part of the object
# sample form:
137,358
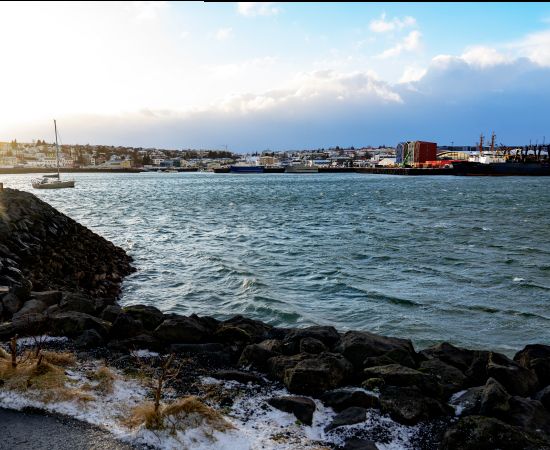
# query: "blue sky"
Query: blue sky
257,76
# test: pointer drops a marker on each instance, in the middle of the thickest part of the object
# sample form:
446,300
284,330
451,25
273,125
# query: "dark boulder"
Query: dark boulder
72,324
543,396
312,345
356,346
495,401
48,297
181,329
516,379
11,303
396,356
149,316
468,403
398,375
487,433
341,399
449,377
22,289
197,349
278,365
233,334
30,307
318,373
237,375
359,444
256,356
255,329
126,326
137,342
536,357
89,339
78,303
111,312
326,334
348,416
302,407
530,415
460,358
408,405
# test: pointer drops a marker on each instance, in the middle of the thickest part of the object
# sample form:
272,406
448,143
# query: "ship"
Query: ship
526,161
246,169
301,168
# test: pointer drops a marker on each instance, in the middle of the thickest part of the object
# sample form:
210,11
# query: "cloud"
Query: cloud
383,26
411,74
535,46
253,9
148,10
484,56
410,43
223,34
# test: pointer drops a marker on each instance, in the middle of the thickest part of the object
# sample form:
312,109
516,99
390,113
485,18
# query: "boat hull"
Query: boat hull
502,169
54,185
301,169
246,169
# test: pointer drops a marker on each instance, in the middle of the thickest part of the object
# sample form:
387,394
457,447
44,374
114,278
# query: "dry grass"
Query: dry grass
105,379
4,354
62,359
185,413
65,394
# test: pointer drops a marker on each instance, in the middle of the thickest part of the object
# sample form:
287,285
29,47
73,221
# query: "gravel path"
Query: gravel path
42,431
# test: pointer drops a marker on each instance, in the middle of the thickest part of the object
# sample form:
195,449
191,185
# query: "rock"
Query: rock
318,373
302,407
449,378
111,312
373,384
516,379
460,358
530,415
468,402
125,326
149,316
407,405
138,342
341,399
494,399
486,433
278,365
50,298
312,345
348,416
237,375
536,357
543,396
256,356
11,303
22,289
181,329
326,334
258,331
232,334
30,307
398,375
78,303
89,339
356,346
197,349
360,444
272,345
398,356
71,324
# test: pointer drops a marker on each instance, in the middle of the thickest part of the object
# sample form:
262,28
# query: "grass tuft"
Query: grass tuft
105,379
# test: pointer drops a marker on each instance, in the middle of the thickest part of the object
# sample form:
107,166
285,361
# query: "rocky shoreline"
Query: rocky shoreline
59,278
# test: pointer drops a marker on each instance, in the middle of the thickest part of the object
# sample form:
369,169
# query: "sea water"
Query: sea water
438,258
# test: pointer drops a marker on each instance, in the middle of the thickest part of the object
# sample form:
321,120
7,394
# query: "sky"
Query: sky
274,76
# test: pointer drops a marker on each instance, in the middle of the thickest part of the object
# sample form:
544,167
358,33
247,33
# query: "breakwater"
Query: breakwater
504,402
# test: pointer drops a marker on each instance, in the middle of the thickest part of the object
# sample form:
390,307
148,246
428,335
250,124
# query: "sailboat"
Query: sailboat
53,181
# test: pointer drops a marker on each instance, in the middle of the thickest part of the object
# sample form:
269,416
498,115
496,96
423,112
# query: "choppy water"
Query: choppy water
431,258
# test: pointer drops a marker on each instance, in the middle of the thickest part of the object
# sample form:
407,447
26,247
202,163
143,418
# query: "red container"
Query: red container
424,151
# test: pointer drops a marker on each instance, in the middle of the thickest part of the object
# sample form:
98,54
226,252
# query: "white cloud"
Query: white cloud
253,9
484,56
411,74
383,26
184,34
410,43
148,10
322,85
223,34
535,46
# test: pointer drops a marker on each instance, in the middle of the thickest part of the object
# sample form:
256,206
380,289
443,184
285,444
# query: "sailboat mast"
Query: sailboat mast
56,148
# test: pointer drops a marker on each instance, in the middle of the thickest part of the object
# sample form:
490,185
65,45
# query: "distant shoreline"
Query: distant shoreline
21,170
